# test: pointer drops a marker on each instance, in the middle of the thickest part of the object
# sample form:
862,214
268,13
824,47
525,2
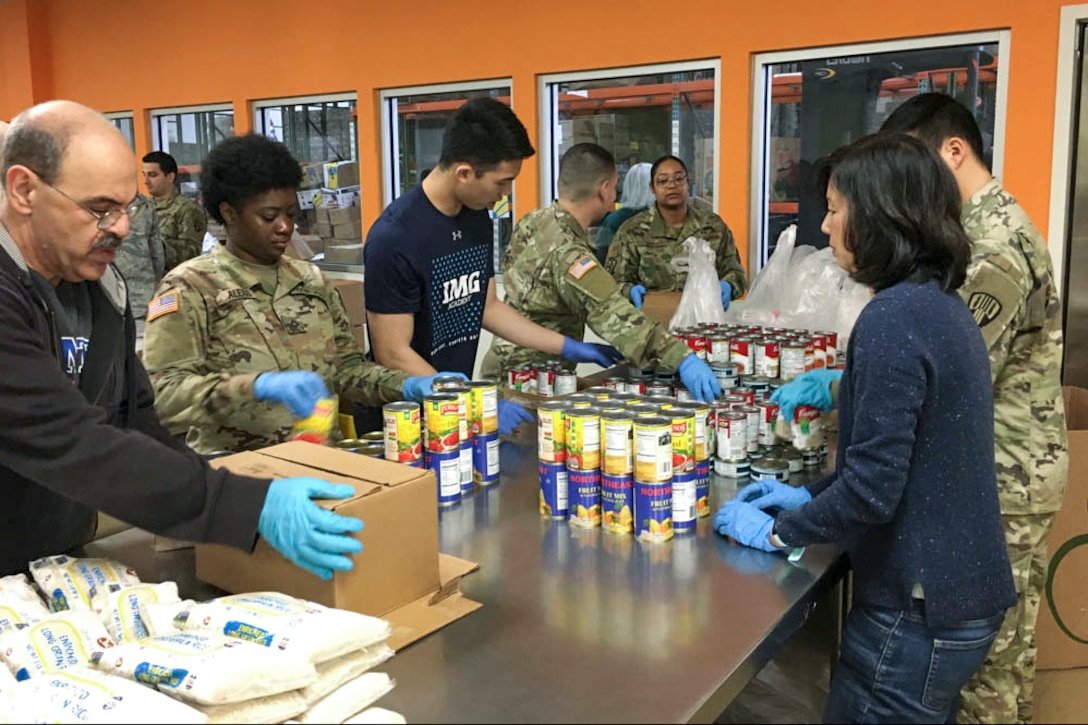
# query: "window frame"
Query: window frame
121,116
153,114
761,101
258,106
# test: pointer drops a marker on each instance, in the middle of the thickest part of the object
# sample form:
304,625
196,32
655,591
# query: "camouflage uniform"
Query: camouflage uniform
552,277
644,246
140,259
236,320
182,224
1010,289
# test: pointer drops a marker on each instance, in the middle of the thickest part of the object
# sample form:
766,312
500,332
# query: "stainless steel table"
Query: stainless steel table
581,625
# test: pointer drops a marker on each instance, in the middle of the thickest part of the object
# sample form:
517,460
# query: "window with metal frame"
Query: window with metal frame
188,134
122,121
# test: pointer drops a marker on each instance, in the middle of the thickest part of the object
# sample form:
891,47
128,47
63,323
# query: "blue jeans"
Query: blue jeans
894,668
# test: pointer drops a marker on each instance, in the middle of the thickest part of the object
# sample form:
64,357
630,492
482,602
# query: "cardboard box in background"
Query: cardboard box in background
1056,649
661,306
336,217
344,251
352,229
340,174
306,198
352,293
399,575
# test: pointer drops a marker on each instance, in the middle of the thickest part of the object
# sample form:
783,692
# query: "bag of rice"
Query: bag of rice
271,709
19,602
376,716
58,642
66,582
334,673
206,667
119,607
159,617
278,620
6,678
348,699
84,696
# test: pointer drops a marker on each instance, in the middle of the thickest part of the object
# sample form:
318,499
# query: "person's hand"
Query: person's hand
299,390
308,535
745,524
590,352
637,293
511,415
727,294
415,389
811,388
699,379
767,493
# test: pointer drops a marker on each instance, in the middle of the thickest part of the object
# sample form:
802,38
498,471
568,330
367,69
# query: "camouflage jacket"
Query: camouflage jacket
644,246
1011,292
141,260
182,224
214,326
551,276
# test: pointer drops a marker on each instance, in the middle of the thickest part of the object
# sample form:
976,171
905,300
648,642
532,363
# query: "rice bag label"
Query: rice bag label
249,633
152,674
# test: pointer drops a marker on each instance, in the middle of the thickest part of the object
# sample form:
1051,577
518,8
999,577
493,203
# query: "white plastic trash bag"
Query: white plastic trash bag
701,300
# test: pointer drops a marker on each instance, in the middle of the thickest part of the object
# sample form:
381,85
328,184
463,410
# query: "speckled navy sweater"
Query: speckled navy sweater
914,494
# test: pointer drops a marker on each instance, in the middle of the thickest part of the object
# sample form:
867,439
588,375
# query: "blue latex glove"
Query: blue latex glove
415,389
699,379
590,352
511,415
811,388
637,293
727,294
767,493
299,390
308,535
745,524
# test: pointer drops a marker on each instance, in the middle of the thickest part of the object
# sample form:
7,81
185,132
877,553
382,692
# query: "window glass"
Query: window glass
124,125
314,131
188,137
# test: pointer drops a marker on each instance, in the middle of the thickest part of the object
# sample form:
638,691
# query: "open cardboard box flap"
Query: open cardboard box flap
399,576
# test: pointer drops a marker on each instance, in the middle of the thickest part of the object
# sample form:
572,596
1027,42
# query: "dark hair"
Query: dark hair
663,159
934,117
582,169
903,212
243,167
30,145
166,162
484,133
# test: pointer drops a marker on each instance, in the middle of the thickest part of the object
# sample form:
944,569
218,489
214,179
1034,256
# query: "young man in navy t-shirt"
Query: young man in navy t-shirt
428,265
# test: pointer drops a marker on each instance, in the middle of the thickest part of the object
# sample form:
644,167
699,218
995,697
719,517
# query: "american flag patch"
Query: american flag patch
162,305
583,265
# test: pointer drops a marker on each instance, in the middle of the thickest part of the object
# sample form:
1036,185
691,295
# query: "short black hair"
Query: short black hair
582,169
243,167
29,144
903,212
484,133
166,162
935,117
663,159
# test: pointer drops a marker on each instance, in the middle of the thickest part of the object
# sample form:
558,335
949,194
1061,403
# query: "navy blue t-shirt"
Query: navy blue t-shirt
418,260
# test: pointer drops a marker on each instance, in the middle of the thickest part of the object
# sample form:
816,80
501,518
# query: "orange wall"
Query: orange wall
142,54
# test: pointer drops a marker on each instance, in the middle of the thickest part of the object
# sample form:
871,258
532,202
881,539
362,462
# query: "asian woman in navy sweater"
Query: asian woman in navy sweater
913,498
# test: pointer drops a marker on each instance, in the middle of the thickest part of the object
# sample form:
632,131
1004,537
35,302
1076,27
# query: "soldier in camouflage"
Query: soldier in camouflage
182,223
1010,289
552,277
141,262
644,247
222,319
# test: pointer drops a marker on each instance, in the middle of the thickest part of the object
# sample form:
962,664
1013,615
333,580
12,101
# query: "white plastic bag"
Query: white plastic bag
701,300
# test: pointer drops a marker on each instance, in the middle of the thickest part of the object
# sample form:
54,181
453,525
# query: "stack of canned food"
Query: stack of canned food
775,353
546,379
456,435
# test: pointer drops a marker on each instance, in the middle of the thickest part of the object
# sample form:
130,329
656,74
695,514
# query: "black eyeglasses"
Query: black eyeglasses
108,218
666,182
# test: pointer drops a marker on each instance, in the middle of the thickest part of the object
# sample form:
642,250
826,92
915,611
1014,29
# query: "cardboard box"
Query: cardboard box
348,230
399,575
341,174
323,229
306,198
661,306
1057,650
351,292
338,217
337,252
1059,696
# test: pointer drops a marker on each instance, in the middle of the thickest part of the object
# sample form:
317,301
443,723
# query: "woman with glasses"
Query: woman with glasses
642,251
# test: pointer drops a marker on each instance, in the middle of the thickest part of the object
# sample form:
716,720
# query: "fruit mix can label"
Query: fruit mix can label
553,490
485,406
485,459
653,449
683,501
447,469
468,480
653,510
442,421
617,503
683,440
702,488
584,490
583,436
402,434
551,437
464,410
617,430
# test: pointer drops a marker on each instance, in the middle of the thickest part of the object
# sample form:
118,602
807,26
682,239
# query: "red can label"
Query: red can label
697,344
740,354
766,358
819,351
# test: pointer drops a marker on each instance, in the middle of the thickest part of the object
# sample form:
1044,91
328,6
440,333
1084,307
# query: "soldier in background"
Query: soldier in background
646,244
181,222
243,341
141,260
552,277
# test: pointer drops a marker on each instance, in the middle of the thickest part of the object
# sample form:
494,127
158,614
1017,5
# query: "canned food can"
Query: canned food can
615,383
696,342
683,440
402,432
465,466
831,348
585,498
635,386
317,426
617,431
653,510
791,359
485,406
464,410
566,382
766,357
810,349
658,389
375,436
663,402
644,410
758,383
583,436
683,501
551,436
520,379
807,428
625,398
447,469
823,449
485,459
717,349
702,488
732,469
617,503
653,449
580,400
727,375
732,435
545,380
599,392
819,351
791,456
768,413
374,450
445,381
606,405
701,415
770,467
442,421
683,394
745,392
753,426
810,458
553,490
740,353
352,445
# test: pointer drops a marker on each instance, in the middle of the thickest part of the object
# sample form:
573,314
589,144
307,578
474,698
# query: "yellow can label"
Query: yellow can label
683,444
403,441
317,427
485,409
443,422
551,435
583,436
653,452
618,446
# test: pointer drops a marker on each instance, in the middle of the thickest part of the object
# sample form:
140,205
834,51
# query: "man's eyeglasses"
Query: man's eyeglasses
108,218
666,182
